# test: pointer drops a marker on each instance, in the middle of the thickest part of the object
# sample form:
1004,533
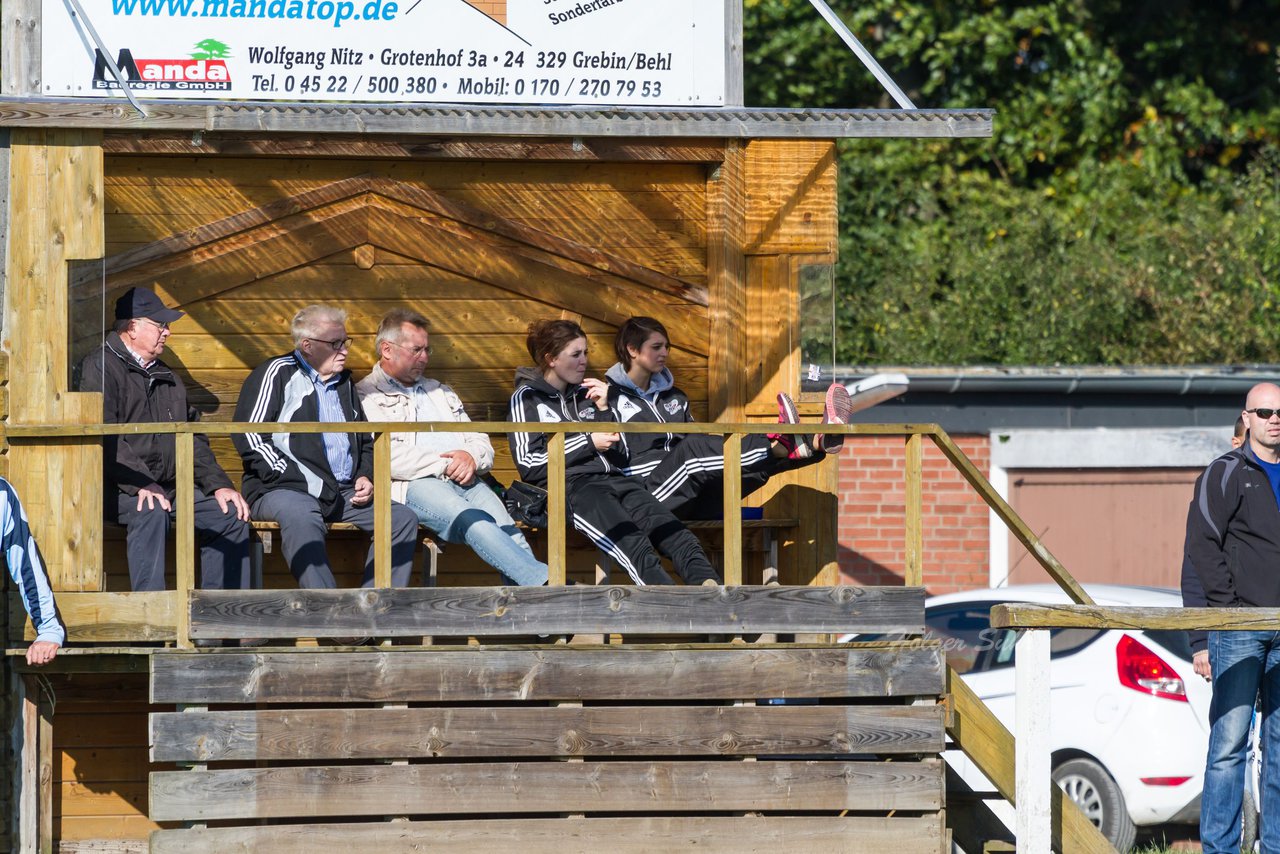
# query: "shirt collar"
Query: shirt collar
314,375
145,365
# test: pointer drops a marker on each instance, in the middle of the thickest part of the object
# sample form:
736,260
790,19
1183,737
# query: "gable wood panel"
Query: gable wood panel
585,198
791,197
414,201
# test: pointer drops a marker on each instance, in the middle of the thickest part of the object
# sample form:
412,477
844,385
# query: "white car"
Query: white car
1128,716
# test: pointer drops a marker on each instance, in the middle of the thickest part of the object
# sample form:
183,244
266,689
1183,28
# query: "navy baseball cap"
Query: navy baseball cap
143,302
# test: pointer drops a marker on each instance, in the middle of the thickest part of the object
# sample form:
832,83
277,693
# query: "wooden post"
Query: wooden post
1032,828
33,746
55,181
20,48
913,571
556,518
733,509
184,511
727,278
382,510
733,86
44,745
26,732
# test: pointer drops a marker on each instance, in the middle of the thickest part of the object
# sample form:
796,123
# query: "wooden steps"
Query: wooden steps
552,747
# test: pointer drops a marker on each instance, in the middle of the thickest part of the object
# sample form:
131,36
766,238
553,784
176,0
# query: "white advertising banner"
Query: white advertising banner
581,52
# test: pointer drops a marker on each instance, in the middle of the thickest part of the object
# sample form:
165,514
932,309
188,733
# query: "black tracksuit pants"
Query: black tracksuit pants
690,480
627,523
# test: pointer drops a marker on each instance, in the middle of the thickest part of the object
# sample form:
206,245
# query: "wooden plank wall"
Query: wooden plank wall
512,738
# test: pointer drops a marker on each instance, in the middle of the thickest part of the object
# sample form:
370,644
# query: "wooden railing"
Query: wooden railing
1034,624
733,434
971,725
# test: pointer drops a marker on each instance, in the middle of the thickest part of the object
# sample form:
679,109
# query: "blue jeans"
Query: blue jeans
1244,664
474,515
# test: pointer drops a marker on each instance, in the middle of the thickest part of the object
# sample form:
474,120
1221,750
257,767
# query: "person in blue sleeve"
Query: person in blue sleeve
27,571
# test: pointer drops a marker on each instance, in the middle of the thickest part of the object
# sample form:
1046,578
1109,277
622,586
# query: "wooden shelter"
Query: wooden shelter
482,217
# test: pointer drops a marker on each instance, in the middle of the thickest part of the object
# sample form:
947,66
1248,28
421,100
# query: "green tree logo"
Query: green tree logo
211,49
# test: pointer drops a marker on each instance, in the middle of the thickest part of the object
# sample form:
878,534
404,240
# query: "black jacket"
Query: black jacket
660,404
537,400
1233,533
132,394
280,390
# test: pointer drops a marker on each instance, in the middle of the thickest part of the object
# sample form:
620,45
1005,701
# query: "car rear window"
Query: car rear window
1174,641
1061,642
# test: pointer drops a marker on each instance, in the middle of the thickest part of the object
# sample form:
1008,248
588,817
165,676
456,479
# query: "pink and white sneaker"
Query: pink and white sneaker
837,411
797,448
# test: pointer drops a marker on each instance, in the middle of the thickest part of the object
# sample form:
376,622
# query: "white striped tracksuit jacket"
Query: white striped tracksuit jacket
26,569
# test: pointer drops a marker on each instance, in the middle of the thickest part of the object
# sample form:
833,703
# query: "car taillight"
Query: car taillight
1142,670
1164,781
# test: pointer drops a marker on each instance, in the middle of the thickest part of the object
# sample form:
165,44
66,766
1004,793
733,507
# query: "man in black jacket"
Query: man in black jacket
303,480
1233,543
1193,591
140,470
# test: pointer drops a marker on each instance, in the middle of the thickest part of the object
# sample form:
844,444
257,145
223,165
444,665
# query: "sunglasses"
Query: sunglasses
1264,414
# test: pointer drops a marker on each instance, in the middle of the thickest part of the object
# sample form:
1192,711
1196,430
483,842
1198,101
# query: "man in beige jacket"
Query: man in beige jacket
437,475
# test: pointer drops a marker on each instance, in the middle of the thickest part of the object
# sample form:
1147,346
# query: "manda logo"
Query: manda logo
197,74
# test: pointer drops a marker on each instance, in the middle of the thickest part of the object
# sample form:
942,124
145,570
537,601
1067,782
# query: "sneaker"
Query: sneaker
796,447
837,411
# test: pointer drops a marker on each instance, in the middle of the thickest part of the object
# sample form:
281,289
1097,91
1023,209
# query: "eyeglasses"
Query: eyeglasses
337,344
413,351
163,327
1264,414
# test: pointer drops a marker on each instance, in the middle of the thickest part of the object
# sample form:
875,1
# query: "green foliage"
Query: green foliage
1127,209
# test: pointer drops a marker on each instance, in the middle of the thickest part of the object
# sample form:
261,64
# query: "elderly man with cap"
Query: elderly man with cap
140,470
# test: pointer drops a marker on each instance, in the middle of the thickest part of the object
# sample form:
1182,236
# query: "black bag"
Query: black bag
527,504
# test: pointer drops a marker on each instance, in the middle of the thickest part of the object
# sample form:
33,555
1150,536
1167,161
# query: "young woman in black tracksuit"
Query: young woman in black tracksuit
686,473
615,511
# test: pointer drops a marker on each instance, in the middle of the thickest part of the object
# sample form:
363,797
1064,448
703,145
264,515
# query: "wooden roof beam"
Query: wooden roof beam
478,120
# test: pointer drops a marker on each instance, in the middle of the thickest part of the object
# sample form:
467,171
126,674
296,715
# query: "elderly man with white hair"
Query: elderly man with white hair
305,480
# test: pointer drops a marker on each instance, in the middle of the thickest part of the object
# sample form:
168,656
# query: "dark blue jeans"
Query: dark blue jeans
1244,665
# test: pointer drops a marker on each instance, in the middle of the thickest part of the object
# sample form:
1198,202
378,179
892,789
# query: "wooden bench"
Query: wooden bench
264,533
552,748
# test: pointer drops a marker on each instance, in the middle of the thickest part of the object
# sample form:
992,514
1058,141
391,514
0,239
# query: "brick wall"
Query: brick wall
956,523
496,9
